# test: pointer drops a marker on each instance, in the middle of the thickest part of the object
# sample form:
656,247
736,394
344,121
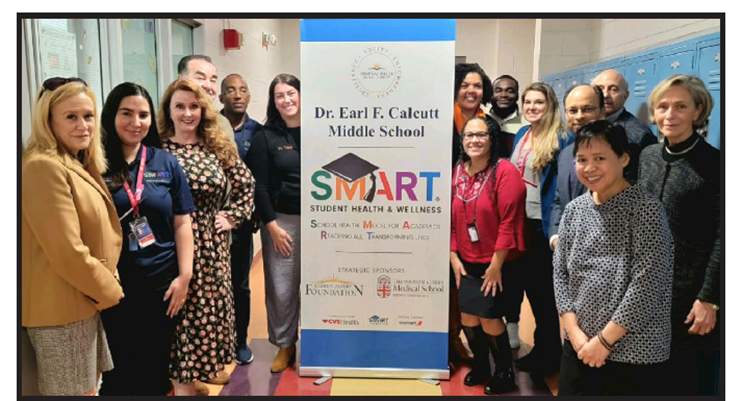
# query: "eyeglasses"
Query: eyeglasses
585,110
479,135
53,84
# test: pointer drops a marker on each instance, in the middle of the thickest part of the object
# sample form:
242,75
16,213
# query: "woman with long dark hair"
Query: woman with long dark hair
276,162
487,228
153,200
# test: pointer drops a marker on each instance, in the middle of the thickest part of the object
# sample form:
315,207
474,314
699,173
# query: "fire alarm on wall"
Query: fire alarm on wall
232,39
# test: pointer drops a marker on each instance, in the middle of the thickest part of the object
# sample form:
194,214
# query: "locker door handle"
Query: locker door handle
717,58
675,65
641,71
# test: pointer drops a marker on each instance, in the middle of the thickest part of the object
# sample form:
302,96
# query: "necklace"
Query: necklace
682,152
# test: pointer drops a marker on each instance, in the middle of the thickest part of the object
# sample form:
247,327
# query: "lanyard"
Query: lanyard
476,198
522,159
136,199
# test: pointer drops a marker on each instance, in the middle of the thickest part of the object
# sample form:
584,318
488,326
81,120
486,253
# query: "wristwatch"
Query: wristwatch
713,306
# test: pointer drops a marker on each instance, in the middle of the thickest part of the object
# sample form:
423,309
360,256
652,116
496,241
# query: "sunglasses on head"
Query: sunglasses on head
52,84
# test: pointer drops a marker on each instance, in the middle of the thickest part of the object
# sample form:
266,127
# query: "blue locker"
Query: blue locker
680,62
642,77
709,70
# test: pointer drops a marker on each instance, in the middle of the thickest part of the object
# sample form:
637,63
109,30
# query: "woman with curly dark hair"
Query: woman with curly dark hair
487,228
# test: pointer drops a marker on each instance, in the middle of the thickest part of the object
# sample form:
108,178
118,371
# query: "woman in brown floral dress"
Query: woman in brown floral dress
204,341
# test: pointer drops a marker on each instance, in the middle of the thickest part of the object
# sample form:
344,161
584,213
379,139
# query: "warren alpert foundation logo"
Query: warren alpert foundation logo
334,287
376,72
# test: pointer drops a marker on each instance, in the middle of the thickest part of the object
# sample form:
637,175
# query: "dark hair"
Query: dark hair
272,116
598,92
462,69
517,90
183,63
493,129
612,133
118,168
224,81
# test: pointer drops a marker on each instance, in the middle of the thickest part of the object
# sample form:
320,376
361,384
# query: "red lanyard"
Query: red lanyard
135,199
523,159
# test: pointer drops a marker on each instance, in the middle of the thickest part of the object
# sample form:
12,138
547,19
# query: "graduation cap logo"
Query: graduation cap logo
352,168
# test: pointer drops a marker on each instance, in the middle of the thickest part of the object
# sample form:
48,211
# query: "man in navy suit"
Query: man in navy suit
582,104
616,92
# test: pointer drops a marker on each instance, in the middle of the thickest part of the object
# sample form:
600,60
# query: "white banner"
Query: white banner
377,119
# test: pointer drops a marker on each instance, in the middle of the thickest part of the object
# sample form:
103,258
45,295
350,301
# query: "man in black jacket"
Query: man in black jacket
616,92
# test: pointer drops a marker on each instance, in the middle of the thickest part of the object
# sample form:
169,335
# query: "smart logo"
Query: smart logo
354,175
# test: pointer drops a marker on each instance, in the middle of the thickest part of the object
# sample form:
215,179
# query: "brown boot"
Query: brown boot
221,378
284,358
201,389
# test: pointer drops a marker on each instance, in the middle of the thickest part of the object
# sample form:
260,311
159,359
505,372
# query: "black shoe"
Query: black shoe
501,382
476,376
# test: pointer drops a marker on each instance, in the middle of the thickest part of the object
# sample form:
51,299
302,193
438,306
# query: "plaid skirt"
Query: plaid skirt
70,357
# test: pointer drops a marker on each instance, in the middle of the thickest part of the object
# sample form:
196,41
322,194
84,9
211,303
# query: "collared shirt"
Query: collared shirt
510,124
614,262
243,135
613,117
166,194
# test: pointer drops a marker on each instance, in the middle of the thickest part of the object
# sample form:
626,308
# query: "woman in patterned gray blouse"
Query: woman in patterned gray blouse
612,275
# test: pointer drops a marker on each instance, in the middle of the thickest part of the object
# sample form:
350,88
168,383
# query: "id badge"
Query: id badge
473,232
141,230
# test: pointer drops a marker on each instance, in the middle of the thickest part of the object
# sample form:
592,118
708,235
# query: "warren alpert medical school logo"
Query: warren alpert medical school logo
384,287
376,73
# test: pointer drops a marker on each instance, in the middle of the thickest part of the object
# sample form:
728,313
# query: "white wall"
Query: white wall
477,40
614,37
515,47
259,65
569,43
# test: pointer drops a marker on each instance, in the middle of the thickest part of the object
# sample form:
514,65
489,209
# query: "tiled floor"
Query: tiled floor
256,378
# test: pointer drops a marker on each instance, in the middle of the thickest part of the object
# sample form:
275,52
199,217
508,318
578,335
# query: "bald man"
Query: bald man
615,90
582,104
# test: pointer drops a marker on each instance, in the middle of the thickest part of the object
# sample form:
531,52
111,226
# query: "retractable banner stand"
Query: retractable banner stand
376,154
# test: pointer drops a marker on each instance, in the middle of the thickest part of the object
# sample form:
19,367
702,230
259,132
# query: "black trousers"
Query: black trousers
537,277
613,378
139,336
513,274
241,259
694,372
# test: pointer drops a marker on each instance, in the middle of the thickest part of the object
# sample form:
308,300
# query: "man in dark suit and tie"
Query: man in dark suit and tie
616,91
582,104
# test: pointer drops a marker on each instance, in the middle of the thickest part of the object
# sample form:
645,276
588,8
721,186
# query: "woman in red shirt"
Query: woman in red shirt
487,228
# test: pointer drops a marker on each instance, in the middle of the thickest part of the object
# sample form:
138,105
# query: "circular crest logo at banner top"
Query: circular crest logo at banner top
377,72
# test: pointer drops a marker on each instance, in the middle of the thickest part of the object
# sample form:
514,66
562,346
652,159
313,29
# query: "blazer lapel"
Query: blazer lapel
93,177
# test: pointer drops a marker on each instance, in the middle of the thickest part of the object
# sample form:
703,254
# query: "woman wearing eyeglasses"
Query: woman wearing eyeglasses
71,240
535,154
487,228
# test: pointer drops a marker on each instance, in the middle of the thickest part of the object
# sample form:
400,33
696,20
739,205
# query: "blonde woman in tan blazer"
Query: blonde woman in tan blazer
71,240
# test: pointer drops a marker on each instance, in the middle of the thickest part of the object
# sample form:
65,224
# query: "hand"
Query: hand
703,317
578,338
458,271
492,279
223,223
554,243
281,241
178,292
593,353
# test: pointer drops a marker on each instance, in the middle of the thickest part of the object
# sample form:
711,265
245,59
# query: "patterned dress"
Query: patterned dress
204,341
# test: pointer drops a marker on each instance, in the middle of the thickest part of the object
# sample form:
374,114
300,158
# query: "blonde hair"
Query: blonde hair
698,92
215,140
43,139
551,127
